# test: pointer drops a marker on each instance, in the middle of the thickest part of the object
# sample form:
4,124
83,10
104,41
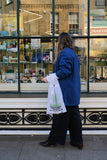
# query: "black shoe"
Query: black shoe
79,146
47,144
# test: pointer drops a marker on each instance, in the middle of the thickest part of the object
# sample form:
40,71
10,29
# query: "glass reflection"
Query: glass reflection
81,50
98,17
98,65
8,65
74,17
8,18
35,62
35,17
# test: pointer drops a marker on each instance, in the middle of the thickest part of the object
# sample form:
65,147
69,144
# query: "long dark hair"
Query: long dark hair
64,41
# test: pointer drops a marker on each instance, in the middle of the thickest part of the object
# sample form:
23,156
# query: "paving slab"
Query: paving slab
28,148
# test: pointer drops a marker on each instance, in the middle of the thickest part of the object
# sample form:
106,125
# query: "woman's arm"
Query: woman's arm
65,67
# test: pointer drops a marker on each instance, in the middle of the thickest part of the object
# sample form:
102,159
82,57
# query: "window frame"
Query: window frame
75,29
56,24
98,5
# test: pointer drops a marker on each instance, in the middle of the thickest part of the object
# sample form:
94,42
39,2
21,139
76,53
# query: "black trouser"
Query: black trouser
67,121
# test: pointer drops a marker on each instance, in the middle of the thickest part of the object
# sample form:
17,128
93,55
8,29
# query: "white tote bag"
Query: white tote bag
55,99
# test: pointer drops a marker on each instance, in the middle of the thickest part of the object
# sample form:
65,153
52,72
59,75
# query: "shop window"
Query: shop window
8,18
98,64
8,65
35,18
100,2
80,46
35,62
73,23
56,23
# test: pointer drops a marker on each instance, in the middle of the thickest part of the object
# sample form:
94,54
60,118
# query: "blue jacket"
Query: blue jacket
67,70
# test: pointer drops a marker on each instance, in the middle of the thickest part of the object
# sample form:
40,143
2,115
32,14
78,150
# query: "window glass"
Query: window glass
98,18
35,17
8,18
8,65
98,65
74,17
80,46
73,23
35,62
56,23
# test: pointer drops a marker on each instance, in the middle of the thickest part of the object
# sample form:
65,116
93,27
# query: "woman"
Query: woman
67,70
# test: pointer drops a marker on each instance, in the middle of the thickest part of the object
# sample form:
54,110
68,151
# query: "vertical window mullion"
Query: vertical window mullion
53,39
88,45
18,5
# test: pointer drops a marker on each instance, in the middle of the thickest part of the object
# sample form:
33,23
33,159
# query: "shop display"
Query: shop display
8,61
101,74
3,45
38,57
27,58
25,80
98,71
105,72
4,33
34,63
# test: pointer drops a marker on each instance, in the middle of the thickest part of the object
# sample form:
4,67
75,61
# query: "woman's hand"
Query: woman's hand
45,80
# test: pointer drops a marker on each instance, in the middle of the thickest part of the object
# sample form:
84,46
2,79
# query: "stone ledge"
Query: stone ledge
20,132
42,102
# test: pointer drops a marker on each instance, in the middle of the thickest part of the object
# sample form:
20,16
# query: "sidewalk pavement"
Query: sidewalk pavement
28,148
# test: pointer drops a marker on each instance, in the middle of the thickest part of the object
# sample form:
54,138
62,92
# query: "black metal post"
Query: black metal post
88,41
53,39
18,5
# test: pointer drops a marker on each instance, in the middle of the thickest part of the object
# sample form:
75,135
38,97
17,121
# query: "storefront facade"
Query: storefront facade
28,37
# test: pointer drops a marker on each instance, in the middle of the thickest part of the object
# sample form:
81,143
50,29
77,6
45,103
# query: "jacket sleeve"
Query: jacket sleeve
65,66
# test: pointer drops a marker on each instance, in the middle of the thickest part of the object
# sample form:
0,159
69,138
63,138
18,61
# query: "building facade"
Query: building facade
28,37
